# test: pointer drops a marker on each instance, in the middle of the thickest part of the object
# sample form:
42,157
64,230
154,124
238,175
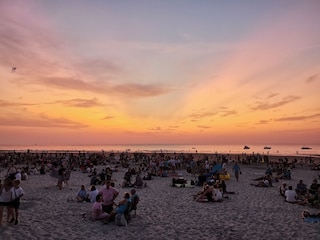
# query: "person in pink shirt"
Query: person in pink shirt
109,194
97,212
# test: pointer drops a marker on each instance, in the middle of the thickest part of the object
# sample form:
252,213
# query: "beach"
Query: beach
165,212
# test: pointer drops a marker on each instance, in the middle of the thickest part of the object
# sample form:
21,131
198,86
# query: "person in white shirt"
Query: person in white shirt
93,194
290,195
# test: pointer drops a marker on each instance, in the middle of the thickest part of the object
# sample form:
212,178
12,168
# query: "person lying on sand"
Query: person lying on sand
263,183
210,193
307,214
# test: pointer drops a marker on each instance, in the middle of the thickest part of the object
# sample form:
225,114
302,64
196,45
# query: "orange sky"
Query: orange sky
105,72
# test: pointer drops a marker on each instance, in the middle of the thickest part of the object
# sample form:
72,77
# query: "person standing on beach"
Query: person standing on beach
17,195
109,194
6,196
61,175
237,170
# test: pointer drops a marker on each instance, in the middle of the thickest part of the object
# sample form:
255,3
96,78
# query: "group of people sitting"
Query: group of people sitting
212,193
302,195
104,206
127,180
99,178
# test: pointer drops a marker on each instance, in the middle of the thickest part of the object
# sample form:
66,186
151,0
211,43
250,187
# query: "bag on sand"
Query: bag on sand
120,220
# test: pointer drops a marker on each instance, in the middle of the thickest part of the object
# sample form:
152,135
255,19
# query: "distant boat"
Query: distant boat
306,148
246,147
267,147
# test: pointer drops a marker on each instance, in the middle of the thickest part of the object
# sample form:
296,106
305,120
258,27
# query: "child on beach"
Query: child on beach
6,196
134,200
17,195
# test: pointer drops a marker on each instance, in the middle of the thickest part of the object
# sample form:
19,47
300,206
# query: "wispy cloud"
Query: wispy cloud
157,128
100,67
81,103
298,118
40,122
4,103
203,126
228,113
272,95
108,117
312,78
264,121
202,114
265,105
130,89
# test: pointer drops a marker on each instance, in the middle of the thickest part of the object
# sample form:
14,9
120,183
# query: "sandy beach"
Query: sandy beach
165,212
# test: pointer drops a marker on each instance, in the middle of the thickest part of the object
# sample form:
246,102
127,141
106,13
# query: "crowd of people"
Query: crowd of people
103,202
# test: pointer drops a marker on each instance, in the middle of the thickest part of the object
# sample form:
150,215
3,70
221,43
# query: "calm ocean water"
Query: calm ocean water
283,150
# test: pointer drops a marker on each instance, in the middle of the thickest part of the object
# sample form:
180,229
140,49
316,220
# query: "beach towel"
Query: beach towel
312,219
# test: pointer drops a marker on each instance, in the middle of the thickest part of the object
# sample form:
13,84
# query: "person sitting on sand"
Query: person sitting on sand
283,188
148,176
109,194
315,198
121,207
286,174
97,212
139,182
301,188
290,195
92,194
217,194
205,195
82,195
268,171
314,187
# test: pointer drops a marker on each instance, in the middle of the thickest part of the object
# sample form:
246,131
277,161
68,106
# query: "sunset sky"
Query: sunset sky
167,72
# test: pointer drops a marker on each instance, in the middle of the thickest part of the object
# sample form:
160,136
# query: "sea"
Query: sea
281,150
